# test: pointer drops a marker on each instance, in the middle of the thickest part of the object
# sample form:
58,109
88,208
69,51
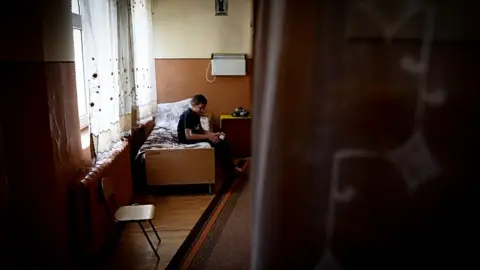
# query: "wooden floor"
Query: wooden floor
175,216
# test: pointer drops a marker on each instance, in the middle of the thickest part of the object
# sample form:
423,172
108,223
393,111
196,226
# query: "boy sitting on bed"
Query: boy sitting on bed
190,131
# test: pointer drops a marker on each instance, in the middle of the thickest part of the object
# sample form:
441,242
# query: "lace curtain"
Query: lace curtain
119,68
144,63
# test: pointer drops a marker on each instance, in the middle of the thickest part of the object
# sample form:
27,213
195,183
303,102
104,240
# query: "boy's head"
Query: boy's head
199,103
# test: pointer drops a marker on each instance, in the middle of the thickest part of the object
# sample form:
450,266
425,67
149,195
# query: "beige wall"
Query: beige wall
39,37
190,29
57,39
178,79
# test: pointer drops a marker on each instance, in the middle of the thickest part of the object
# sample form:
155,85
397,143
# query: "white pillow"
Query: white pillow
205,122
168,114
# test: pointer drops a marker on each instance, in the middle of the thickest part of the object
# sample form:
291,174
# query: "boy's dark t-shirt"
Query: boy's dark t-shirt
188,119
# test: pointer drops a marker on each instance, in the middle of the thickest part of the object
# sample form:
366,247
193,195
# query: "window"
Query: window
82,94
76,7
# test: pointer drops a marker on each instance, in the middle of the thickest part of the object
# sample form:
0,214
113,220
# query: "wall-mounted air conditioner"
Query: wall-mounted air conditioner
229,64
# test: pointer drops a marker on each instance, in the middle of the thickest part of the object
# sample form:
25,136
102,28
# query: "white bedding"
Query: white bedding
167,138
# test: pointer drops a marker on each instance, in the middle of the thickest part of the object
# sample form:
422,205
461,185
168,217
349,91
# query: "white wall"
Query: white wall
190,29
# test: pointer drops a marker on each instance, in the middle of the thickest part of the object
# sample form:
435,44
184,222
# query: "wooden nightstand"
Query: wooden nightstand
238,131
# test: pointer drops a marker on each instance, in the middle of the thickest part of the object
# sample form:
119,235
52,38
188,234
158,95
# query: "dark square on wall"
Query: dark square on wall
221,7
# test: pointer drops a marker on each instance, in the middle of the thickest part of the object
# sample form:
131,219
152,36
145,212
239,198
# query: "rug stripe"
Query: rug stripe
186,259
213,235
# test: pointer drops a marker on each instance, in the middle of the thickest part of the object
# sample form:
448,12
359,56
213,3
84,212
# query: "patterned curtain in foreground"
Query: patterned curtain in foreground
381,169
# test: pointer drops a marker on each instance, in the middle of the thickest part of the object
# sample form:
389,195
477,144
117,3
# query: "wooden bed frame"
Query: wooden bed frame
180,166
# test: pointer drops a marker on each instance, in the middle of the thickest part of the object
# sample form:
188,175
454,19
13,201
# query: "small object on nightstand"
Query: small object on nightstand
240,112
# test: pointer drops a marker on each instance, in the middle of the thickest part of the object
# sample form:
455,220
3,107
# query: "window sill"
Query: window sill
85,138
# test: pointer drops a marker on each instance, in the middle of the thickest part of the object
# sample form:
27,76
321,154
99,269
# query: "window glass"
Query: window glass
75,7
81,91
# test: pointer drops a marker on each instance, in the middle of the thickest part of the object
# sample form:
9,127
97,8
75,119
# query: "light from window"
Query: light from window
75,7
80,78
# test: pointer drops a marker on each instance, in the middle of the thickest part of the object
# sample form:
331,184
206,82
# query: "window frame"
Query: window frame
77,25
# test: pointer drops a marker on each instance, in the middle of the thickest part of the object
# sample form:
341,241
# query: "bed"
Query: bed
167,162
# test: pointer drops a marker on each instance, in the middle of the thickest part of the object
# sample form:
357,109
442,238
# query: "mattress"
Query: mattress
164,138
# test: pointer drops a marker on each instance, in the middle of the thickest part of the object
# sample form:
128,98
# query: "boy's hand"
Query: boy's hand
214,138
